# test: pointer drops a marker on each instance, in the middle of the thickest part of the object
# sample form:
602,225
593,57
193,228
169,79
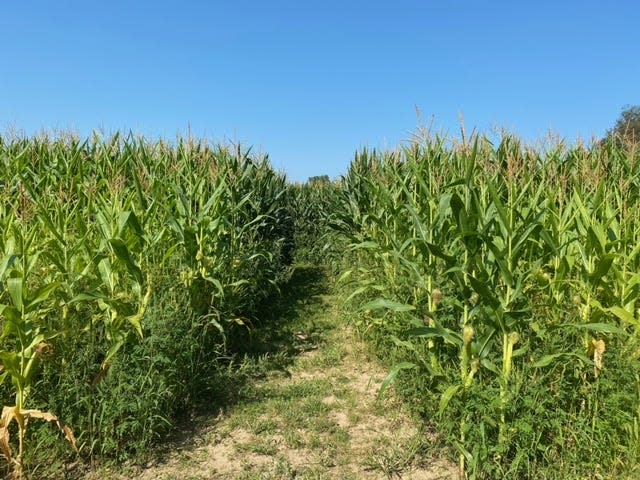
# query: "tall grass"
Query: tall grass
504,282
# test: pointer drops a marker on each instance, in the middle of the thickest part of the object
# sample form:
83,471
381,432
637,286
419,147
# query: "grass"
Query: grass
392,459
303,405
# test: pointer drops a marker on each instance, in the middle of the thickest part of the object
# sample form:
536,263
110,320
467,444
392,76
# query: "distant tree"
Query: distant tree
627,127
319,179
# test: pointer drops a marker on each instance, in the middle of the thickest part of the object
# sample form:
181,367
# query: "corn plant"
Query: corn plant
113,224
25,340
479,256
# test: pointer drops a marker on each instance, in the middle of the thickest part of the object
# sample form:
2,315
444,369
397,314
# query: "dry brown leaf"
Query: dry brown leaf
50,417
21,417
597,349
8,414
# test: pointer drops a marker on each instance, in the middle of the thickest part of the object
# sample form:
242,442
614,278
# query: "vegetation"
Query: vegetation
500,283
128,269
504,283
319,179
627,127
312,206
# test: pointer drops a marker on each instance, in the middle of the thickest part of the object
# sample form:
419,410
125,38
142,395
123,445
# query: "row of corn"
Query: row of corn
95,234
504,281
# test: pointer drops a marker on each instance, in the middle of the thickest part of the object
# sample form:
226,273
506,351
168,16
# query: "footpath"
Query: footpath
309,410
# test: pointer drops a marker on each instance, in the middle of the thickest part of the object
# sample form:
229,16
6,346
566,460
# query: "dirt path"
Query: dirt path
318,418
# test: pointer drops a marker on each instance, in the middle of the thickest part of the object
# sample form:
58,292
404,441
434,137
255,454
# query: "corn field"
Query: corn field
504,282
125,267
500,282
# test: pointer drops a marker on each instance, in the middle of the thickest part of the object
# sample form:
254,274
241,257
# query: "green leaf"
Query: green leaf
492,367
603,266
41,295
136,322
502,214
46,219
113,349
436,251
436,332
485,294
393,374
15,287
344,276
549,359
7,263
382,303
448,394
216,283
365,245
598,327
356,292
624,315
598,233
12,317
10,361
503,264
124,255
532,230
88,297
459,213
129,218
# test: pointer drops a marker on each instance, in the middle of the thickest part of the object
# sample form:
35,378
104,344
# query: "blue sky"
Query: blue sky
310,82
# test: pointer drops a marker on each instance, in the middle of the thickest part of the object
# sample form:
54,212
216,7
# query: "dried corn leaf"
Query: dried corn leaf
50,417
8,414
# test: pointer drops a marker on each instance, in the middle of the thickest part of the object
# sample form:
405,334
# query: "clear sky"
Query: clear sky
310,82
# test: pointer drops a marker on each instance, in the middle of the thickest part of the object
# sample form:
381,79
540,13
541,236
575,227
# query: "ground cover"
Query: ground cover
305,407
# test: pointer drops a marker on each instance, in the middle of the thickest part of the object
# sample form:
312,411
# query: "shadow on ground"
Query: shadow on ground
288,326
286,314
